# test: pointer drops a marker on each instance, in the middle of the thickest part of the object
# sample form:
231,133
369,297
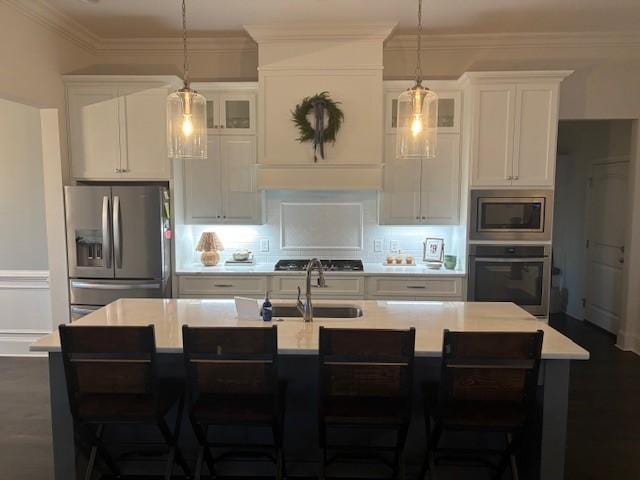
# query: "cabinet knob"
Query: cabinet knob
417,218
424,218
224,216
509,177
221,126
515,178
117,170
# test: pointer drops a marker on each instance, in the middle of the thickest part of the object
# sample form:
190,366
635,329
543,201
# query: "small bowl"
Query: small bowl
241,255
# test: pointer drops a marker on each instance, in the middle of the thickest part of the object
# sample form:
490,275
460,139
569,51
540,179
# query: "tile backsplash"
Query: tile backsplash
409,238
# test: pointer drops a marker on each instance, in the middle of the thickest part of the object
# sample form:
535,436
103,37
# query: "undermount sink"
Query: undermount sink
320,311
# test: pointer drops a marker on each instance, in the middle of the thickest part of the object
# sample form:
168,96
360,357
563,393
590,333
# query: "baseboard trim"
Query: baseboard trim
628,342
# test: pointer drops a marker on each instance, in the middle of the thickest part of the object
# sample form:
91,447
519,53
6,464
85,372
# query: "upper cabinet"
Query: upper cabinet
117,127
230,112
449,108
514,123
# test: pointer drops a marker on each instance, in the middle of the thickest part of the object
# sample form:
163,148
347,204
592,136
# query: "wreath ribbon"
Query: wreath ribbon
318,138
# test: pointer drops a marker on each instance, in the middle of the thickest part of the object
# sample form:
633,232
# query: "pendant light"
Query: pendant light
186,114
417,114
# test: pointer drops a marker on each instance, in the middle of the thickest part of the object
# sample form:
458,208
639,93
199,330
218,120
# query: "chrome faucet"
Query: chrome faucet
306,309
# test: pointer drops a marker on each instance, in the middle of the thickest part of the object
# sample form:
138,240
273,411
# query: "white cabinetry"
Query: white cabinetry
337,286
222,188
222,286
514,123
117,127
418,288
422,192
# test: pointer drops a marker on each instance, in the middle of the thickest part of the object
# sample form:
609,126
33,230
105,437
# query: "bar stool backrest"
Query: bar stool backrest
231,360
490,367
108,360
366,362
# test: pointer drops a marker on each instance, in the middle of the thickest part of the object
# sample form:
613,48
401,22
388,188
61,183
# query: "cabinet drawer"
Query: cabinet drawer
337,286
222,285
418,287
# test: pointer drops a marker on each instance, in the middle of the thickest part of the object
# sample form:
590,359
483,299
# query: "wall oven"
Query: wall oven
504,273
511,215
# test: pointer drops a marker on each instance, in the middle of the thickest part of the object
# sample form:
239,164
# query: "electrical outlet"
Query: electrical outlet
393,246
377,246
264,244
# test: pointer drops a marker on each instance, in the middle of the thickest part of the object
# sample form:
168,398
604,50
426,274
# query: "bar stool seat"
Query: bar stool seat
349,410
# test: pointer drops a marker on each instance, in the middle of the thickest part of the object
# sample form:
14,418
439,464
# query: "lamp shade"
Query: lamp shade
209,242
417,123
187,125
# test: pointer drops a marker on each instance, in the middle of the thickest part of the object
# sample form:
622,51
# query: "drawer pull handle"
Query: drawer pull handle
417,286
223,285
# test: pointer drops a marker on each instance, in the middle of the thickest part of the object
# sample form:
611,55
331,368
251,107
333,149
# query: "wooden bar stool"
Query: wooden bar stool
232,378
111,379
488,384
366,379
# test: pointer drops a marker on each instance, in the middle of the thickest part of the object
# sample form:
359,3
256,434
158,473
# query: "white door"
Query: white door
492,135
606,227
240,198
536,127
203,202
440,192
400,198
144,117
94,129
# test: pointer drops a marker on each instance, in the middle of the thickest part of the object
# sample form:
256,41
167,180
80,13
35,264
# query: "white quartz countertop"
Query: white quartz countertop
297,337
370,269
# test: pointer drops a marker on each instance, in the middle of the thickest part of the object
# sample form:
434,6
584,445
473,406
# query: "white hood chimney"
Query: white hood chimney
303,60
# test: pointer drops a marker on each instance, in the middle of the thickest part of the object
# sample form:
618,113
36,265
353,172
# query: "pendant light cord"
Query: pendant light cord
184,42
418,51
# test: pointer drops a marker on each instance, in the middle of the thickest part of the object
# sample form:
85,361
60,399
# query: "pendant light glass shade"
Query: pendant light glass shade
187,125
417,122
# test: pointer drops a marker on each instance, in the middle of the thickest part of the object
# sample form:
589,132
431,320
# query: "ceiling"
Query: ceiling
161,18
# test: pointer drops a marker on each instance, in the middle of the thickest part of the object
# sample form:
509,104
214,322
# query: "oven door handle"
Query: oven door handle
510,260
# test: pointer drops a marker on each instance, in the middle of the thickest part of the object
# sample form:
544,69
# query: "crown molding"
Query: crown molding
174,46
56,21
483,41
43,13
318,31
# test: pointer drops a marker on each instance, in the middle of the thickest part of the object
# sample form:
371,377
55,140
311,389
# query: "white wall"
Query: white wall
24,278
580,145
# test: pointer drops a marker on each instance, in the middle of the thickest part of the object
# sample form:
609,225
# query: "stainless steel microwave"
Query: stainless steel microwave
511,215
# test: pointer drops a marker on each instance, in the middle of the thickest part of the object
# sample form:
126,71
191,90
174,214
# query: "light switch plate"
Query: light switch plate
377,246
393,245
264,244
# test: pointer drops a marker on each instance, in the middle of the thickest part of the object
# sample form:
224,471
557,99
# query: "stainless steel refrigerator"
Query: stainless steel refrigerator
118,244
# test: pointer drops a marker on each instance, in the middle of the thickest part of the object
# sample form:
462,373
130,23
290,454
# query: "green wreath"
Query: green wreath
318,103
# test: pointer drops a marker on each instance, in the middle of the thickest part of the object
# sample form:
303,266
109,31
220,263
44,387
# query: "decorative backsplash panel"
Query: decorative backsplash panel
327,221
313,226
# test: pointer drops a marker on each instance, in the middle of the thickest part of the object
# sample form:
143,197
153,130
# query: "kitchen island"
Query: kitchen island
298,345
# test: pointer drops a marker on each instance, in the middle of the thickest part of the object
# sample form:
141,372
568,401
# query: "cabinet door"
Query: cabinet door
400,198
94,132
440,190
144,145
240,198
203,202
536,127
492,135
449,105
237,113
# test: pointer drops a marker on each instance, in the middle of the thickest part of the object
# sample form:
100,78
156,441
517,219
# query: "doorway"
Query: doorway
590,206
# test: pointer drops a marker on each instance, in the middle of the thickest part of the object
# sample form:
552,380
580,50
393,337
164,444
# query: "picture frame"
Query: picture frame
433,250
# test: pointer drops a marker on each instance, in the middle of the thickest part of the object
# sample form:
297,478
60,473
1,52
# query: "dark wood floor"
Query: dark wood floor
603,431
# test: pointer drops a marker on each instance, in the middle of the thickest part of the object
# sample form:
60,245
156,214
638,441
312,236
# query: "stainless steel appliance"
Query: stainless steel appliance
511,273
327,265
511,215
118,244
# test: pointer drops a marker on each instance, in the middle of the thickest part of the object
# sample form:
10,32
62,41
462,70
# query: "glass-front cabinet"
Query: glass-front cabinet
448,110
231,112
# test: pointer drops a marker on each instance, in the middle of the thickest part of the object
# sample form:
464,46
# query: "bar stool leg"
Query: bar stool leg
201,436
96,443
174,452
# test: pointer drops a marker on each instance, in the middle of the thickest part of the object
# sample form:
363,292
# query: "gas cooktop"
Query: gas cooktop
327,265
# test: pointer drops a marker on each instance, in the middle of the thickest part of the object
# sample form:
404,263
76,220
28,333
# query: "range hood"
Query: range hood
303,60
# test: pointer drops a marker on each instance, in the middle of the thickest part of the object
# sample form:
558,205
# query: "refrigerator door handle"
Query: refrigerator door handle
117,235
116,286
106,237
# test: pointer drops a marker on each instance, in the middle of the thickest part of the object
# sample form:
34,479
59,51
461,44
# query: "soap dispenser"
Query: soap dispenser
267,308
